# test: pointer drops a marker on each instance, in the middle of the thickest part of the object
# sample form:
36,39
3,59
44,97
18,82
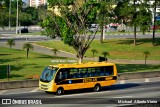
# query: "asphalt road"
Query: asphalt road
108,97
5,37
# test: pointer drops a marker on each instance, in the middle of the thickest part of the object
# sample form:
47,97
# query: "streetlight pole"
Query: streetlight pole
9,24
17,19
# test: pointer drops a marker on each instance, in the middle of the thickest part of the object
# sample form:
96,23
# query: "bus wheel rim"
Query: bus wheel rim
59,91
97,88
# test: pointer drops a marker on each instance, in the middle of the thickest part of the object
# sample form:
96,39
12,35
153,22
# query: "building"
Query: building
35,3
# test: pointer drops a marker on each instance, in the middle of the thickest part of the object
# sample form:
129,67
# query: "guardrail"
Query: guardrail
34,83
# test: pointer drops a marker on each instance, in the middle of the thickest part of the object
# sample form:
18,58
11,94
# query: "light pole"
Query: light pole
9,24
17,19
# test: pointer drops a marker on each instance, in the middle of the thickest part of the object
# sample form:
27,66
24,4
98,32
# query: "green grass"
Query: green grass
32,33
21,67
118,48
137,67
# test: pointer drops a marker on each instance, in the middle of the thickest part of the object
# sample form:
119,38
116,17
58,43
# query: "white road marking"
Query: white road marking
35,90
122,82
1,92
123,97
89,100
90,93
146,79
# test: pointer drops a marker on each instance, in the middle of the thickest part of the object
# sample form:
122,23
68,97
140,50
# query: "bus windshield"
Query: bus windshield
48,74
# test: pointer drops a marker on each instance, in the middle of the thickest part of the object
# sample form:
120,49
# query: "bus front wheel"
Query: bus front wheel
60,91
96,88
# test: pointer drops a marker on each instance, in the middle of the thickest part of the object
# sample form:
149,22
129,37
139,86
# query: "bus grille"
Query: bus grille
44,88
44,85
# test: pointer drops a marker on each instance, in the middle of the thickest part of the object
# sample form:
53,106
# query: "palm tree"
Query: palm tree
54,51
146,54
105,53
93,52
27,46
11,42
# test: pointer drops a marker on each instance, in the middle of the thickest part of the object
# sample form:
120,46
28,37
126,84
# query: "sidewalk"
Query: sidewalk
46,50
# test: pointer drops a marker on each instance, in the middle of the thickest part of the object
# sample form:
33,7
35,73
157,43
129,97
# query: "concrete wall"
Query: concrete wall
18,84
138,75
34,83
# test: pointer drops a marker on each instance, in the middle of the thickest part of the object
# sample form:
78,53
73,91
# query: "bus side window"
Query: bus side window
109,70
102,71
85,74
97,71
73,73
58,77
92,74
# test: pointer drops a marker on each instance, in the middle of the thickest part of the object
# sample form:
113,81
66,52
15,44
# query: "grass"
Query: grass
118,48
32,33
21,67
137,67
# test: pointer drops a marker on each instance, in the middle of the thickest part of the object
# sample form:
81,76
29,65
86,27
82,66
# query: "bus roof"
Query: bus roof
83,65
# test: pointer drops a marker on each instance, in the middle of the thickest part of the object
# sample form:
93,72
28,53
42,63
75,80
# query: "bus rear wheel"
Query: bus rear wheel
60,91
96,88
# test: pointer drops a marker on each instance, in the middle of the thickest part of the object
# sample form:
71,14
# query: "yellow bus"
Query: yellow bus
61,77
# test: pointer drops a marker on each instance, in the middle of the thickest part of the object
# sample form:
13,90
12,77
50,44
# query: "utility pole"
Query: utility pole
154,22
17,19
9,24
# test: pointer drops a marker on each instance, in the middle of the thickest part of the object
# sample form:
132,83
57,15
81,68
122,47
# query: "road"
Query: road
108,97
5,37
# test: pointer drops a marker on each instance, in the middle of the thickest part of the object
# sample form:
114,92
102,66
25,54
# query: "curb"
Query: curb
122,77
52,48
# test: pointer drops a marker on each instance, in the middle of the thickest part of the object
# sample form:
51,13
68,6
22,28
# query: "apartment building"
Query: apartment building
35,3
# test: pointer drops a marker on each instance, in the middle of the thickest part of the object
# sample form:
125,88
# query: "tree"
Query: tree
93,52
71,24
33,12
5,8
105,53
135,13
11,42
25,19
54,51
27,46
105,11
154,22
42,12
146,54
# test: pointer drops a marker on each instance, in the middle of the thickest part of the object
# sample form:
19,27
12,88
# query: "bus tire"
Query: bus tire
60,91
48,92
97,88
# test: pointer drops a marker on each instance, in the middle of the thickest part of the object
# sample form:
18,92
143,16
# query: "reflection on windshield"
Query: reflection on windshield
48,74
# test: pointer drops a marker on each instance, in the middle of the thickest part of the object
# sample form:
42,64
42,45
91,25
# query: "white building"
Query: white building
35,3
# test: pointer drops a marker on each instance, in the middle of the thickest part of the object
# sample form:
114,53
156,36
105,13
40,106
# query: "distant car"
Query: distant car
156,27
94,27
23,30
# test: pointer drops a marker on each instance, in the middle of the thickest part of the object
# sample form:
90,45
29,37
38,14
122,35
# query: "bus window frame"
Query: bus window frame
78,71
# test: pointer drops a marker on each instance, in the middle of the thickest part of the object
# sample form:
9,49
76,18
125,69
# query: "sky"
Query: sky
25,1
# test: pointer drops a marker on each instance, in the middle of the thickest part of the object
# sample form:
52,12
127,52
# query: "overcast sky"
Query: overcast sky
25,0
